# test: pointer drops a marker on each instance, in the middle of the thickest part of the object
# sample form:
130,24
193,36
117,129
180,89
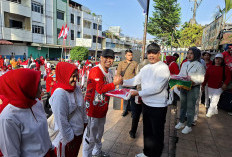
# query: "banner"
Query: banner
120,93
143,4
180,82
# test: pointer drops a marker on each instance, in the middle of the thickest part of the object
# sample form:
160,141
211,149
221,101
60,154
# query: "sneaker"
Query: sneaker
140,155
230,113
179,125
209,114
186,130
102,154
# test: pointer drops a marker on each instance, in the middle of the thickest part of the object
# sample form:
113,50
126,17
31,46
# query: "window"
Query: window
37,29
16,1
100,27
16,24
94,39
78,34
60,15
78,20
36,7
94,26
72,34
72,18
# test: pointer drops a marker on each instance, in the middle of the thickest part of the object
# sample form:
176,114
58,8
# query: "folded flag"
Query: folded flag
180,82
120,93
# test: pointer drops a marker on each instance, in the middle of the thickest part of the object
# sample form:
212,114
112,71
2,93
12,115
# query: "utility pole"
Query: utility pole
196,5
145,31
97,39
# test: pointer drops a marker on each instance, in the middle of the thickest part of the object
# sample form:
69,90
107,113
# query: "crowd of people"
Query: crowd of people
79,118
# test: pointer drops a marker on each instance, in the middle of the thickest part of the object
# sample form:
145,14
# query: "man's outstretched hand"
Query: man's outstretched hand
117,80
134,92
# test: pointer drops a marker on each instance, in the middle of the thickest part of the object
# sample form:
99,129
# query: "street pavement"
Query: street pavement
211,137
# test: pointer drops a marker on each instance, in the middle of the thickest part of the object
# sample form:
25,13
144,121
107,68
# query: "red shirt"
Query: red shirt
174,68
214,76
96,101
208,64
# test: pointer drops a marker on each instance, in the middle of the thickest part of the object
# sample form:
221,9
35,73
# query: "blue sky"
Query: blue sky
129,15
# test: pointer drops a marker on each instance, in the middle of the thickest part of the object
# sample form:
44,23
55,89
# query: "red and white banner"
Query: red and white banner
120,93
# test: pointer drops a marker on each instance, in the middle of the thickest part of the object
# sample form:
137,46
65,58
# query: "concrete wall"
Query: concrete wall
18,49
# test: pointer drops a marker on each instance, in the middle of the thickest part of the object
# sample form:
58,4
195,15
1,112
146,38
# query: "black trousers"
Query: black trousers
136,110
154,119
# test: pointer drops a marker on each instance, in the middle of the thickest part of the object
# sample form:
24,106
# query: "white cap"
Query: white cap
219,55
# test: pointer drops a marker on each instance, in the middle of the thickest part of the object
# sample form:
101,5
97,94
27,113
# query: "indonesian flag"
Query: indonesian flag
66,32
120,93
61,34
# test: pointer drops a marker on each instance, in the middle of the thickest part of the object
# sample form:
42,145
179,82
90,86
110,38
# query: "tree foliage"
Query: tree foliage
190,35
79,53
166,17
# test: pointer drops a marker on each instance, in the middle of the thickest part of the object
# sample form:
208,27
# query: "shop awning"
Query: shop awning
5,42
49,45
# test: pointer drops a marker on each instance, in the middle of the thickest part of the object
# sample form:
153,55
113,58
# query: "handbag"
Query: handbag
51,123
123,72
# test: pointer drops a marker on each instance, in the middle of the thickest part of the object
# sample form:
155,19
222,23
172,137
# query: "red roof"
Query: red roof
5,42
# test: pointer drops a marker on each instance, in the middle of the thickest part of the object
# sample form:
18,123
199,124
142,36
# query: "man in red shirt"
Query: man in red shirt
99,82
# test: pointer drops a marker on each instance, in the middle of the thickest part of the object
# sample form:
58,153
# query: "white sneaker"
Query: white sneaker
186,130
209,114
140,155
179,125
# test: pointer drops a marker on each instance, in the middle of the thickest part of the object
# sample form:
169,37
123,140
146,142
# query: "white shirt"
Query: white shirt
63,104
21,135
154,83
195,70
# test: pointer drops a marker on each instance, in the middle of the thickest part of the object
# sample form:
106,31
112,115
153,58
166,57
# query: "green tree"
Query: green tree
79,53
166,17
190,35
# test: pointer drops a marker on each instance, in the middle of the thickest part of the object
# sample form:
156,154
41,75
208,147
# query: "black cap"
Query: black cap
176,55
107,53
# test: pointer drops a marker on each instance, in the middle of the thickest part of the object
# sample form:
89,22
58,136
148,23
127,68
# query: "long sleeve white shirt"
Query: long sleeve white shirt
195,70
154,83
63,104
21,135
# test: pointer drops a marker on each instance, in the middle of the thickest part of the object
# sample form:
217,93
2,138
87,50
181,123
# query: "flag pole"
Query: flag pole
62,51
145,31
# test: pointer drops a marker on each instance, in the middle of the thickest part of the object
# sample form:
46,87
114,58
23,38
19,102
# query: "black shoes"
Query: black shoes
125,113
132,135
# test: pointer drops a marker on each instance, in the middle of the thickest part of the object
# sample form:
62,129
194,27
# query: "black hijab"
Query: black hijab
196,53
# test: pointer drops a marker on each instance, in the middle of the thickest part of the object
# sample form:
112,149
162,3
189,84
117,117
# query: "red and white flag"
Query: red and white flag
66,29
61,34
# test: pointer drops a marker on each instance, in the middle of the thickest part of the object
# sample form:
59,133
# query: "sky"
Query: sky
129,14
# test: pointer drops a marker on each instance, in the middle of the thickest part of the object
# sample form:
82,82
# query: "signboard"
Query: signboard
210,34
83,42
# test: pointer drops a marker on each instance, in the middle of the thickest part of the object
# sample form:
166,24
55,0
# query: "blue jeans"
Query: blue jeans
188,101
